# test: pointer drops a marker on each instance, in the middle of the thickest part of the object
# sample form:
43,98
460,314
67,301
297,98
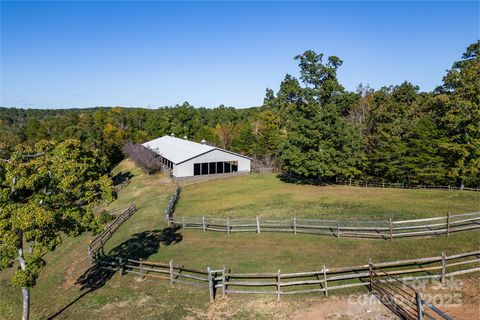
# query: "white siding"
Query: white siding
185,169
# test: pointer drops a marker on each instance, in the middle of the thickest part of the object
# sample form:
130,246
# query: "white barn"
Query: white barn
187,158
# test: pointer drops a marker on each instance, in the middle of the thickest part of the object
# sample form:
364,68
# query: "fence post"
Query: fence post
170,266
203,223
278,284
448,187
338,228
391,229
448,224
295,225
141,269
258,225
183,222
120,271
366,183
210,284
444,258
325,279
350,182
370,273
223,282
228,225
418,297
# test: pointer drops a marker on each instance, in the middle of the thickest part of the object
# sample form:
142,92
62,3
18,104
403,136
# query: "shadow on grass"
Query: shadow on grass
140,246
290,178
121,177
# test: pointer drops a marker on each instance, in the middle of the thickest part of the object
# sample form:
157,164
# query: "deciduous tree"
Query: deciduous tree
46,191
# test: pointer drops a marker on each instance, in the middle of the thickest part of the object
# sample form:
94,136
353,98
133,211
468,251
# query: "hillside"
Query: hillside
106,294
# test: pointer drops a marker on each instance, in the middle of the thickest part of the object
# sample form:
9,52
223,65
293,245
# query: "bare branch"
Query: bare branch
143,157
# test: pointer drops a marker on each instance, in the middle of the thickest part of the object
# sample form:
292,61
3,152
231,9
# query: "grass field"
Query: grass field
143,236
266,196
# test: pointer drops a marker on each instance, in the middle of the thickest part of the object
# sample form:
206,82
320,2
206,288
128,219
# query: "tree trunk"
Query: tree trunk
26,303
25,290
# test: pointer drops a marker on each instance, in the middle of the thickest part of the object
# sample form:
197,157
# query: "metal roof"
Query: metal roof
180,150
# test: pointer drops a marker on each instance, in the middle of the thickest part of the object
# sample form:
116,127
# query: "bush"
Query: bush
105,217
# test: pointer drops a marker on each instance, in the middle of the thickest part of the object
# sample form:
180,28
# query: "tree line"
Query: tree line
311,128
55,164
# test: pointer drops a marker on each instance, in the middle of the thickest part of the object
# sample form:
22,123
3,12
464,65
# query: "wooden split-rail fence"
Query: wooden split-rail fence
222,281
171,204
400,185
387,229
374,229
324,280
401,298
96,245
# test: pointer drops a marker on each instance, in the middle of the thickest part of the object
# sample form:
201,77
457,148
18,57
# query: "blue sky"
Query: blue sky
151,54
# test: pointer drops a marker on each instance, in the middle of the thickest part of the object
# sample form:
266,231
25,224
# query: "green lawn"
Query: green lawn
144,236
266,196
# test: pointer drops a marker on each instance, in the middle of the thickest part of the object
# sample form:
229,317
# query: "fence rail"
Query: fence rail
223,281
400,185
323,280
386,229
171,204
96,245
185,181
401,298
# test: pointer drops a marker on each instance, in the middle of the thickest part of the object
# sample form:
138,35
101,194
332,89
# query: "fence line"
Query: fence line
401,185
185,181
277,283
171,204
263,170
380,229
96,245
401,298
324,280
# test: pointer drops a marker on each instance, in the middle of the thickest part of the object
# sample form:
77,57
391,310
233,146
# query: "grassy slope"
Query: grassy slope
125,297
122,297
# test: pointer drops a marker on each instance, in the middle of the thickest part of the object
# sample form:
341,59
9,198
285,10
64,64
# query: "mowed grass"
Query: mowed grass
268,252
125,297
267,196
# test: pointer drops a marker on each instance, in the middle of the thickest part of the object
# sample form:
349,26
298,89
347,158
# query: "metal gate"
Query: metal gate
402,299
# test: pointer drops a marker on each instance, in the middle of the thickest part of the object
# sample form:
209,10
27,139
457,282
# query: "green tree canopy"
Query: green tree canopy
46,191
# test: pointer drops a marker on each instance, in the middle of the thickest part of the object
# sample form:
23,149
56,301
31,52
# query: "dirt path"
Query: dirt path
353,307
364,307
461,302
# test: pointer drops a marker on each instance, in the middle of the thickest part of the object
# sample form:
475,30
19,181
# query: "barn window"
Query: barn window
196,169
219,167
212,168
215,167
205,168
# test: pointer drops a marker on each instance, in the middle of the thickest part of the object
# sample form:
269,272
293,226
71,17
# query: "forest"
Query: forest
311,128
